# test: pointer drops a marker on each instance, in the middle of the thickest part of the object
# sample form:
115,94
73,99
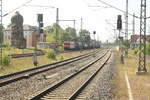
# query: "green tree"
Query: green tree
49,29
50,38
51,33
68,34
71,32
85,36
84,32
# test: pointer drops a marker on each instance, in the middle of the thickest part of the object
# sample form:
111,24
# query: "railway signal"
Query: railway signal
94,32
40,22
119,27
119,22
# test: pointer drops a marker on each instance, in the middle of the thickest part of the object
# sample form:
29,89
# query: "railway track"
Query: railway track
25,55
10,78
71,86
40,53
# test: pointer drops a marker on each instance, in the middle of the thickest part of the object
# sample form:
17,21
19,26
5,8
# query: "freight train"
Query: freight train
47,45
70,45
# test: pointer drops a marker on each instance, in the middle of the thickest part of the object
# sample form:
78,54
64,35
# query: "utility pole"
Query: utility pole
58,36
57,23
81,24
81,32
142,53
115,36
133,31
1,29
126,25
74,24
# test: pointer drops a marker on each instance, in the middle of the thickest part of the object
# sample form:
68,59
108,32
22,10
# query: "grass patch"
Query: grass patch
119,85
140,84
59,58
17,51
26,62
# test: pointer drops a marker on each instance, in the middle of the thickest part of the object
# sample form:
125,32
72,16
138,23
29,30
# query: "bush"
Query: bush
4,45
51,54
135,51
60,58
6,60
148,48
61,48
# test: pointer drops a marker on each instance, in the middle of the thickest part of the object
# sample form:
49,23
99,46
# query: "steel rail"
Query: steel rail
80,89
44,68
40,94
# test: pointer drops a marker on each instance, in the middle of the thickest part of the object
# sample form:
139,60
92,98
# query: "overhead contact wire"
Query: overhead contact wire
17,8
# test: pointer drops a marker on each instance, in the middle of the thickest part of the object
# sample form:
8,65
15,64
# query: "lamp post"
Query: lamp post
94,32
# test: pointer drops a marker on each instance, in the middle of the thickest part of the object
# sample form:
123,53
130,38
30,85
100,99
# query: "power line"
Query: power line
40,6
117,8
17,8
99,6
95,5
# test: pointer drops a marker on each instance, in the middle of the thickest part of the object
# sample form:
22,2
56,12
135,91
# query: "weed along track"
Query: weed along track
37,80
72,85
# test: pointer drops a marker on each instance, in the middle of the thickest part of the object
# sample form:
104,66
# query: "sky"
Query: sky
101,19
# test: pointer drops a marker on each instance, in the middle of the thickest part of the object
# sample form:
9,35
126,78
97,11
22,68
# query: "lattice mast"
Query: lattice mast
1,29
142,53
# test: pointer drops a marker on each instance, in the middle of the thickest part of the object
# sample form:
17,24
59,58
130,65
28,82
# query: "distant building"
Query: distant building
7,35
30,34
135,40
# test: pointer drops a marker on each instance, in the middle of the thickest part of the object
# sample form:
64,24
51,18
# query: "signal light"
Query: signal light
40,17
94,32
119,22
40,21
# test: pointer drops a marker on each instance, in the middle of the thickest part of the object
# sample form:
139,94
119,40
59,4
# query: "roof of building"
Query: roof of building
136,38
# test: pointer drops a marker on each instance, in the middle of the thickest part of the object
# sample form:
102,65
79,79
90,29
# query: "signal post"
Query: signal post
119,27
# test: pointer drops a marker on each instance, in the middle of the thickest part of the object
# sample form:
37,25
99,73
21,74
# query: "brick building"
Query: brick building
30,34
135,40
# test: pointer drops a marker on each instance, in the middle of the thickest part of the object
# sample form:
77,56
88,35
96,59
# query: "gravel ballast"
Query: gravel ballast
101,86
